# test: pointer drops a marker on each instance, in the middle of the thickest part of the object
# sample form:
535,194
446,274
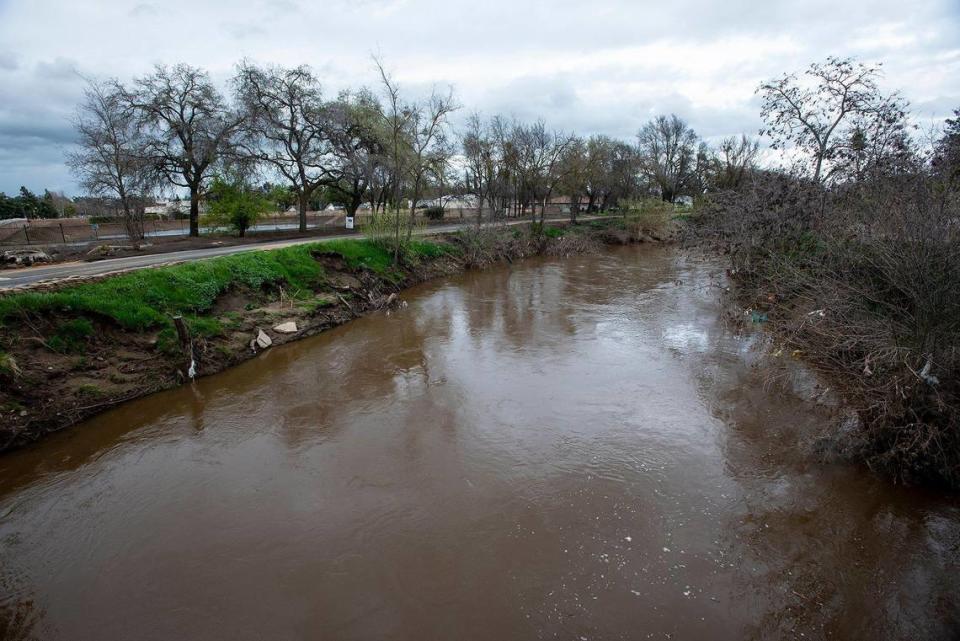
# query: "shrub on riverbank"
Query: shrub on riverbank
864,280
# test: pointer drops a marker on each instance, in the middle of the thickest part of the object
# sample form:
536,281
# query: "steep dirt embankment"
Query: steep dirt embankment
67,353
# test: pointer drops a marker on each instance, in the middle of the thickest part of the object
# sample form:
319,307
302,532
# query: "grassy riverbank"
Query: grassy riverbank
73,351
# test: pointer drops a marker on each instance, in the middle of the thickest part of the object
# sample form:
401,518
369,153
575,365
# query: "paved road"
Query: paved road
31,275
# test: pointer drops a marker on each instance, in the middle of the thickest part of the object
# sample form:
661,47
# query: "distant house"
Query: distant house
683,201
168,208
466,201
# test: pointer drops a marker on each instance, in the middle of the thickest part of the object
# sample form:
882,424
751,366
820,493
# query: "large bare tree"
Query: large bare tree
355,134
415,137
110,160
484,164
428,141
667,149
817,114
189,127
286,127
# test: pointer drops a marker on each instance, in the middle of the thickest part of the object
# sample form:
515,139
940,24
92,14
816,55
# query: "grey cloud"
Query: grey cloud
57,69
289,6
8,61
573,64
242,31
24,133
144,9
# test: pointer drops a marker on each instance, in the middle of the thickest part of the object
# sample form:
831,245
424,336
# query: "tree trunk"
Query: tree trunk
816,173
131,221
354,204
195,211
302,209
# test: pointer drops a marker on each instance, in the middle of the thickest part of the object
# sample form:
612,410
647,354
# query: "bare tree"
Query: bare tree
396,117
667,147
577,173
287,119
736,158
877,144
611,172
477,148
483,163
428,143
110,160
415,135
812,114
537,156
354,131
188,127
946,157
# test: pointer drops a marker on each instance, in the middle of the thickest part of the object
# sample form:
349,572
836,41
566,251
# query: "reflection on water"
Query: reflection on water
561,449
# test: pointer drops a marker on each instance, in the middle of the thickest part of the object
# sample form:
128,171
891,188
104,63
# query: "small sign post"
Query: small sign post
349,222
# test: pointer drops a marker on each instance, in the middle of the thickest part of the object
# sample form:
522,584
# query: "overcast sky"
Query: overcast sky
600,66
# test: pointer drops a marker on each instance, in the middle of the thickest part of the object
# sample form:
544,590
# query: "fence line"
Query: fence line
59,233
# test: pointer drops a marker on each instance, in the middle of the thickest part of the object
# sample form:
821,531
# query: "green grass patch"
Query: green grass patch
204,326
91,391
315,304
554,232
8,365
428,250
147,298
363,254
71,337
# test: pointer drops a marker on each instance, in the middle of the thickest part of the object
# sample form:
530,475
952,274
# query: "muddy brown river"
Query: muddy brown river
562,449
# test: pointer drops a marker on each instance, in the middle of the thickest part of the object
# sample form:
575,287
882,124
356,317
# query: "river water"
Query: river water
573,449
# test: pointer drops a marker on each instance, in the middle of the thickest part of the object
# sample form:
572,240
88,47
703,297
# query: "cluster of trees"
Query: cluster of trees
27,204
174,127
516,166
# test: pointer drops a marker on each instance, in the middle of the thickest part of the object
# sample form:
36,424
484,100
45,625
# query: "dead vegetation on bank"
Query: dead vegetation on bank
863,281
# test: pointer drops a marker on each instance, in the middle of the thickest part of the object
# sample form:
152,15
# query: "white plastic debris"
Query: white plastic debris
290,327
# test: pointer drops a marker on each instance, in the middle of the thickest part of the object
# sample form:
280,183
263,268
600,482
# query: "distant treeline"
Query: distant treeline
380,148
28,205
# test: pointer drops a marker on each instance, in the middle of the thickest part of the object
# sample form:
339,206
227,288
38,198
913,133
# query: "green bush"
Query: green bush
434,213
235,205
393,231
554,232
648,215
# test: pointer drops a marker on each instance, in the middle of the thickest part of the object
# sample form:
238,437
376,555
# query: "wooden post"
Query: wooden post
62,235
186,344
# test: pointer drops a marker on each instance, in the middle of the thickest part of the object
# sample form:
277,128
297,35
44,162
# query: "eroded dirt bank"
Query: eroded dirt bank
62,361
